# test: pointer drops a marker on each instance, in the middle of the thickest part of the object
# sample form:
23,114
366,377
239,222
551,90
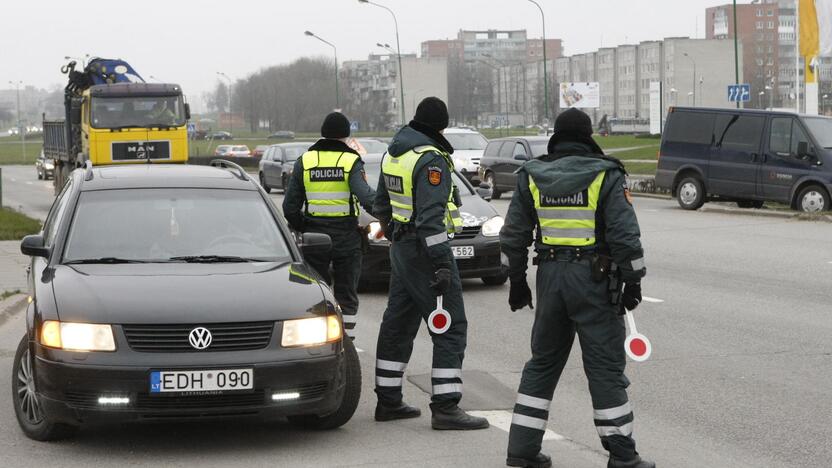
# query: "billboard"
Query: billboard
581,95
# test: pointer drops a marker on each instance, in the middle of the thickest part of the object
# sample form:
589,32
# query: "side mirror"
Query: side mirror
485,191
314,242
187,111
521,157
33,246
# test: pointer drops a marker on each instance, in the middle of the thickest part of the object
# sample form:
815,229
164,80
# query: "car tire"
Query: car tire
264,184
40,174
349,403
33,421
813,199
284,182
496,280
489,179
691,193
756,204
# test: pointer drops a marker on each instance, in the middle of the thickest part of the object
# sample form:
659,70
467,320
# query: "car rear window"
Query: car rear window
493,149
740,132
690,127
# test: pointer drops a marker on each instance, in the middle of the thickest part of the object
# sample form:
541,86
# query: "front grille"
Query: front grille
174,338
229,400
468,232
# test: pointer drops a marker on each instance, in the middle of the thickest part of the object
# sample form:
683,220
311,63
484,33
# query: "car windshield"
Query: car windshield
143,111
467,141
294,152
373,170
241,148
373,146
539,148
157,225
821,129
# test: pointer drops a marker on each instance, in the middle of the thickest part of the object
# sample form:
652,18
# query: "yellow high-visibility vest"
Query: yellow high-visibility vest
326,179
398,178
568,220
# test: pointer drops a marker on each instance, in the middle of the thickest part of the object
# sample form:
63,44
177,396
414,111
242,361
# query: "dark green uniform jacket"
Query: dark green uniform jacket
569,170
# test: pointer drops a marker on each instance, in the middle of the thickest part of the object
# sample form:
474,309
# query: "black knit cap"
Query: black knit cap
432,112
336,125
573,125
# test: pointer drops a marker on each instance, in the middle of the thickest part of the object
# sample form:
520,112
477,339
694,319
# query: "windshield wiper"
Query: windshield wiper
160,126
105,260
213,259
122,127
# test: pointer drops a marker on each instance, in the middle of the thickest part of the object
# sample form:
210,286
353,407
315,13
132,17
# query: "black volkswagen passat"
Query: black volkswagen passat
167,292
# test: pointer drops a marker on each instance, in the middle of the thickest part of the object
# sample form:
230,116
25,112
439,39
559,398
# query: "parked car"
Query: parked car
748,157
259,150
476,248
221,136
370,146
469,146
282,135
504,156
176,292
277,164
232,150
45,167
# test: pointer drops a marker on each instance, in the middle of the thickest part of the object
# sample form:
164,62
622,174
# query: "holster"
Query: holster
600,267
365,242
615,287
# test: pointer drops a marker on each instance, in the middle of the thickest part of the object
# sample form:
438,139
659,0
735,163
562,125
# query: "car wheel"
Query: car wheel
813,199
349,403
31,417
40,174
264,184
489,179
284,182
691,193
750,204
496,280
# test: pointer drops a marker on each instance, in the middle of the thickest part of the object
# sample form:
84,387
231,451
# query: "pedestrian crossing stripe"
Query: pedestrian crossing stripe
502,420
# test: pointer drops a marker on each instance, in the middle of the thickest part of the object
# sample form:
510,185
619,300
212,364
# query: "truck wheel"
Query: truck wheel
691,193
813,199
352,394
31,417
489,179
750,204
264,184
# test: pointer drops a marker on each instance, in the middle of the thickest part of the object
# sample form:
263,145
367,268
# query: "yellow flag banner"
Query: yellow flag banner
809,37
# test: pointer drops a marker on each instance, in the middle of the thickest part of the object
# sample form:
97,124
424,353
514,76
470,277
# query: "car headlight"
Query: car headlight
311,331
491,228
375,233
77,336
49,165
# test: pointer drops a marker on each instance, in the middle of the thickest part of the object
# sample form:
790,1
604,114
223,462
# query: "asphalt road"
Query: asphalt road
741,373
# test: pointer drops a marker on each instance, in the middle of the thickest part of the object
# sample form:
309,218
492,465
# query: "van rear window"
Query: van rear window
690,127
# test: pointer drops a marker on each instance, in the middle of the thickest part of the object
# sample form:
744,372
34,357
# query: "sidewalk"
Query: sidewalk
12,267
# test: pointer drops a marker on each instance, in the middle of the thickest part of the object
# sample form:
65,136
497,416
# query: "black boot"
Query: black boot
636,462
541,460
402,411
454,419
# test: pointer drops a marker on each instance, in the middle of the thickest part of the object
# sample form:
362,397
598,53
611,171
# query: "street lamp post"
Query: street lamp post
760,99
335,52
545,73
20,127
398,53
505,86
694,76
230,114
770,96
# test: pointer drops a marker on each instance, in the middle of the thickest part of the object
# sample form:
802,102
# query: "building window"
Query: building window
770,13
759,12
771,24
759,25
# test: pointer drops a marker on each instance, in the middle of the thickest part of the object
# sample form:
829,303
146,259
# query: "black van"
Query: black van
748,157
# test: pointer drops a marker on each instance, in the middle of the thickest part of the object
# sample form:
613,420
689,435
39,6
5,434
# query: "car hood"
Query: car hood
186,293
468,154
474,212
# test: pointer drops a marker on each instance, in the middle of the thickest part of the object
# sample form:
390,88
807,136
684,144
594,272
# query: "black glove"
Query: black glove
631,297
442,281
519,295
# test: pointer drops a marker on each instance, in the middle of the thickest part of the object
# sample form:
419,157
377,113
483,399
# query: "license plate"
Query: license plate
201,380
463,251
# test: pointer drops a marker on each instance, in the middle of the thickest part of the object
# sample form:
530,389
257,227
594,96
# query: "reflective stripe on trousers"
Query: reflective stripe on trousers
614,421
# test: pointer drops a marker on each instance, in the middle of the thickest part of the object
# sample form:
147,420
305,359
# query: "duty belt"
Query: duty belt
563,254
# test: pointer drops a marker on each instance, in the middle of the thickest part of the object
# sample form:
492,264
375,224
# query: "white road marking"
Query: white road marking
358,350
502,420
652,300
28,182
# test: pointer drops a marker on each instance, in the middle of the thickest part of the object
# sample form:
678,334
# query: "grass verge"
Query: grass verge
14,225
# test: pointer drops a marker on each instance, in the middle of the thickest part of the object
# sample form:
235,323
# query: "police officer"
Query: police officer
418,203
327,185
574,202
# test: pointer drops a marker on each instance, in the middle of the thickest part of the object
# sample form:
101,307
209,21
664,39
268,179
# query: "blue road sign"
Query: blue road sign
354,126
739,93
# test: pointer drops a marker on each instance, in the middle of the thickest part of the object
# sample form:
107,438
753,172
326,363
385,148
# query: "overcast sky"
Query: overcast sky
188,41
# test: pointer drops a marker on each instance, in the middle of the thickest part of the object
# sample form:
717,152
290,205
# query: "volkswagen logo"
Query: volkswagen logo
200,338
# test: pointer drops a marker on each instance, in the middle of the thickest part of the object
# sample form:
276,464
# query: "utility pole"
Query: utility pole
398,53
545,72
21,128
230,114
335,53
736,52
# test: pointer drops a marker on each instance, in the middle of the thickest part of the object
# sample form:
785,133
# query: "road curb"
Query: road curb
12,306
768,213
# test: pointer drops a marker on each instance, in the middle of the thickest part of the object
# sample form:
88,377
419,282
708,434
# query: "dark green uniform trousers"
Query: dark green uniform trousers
410,302
345,259
568,302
